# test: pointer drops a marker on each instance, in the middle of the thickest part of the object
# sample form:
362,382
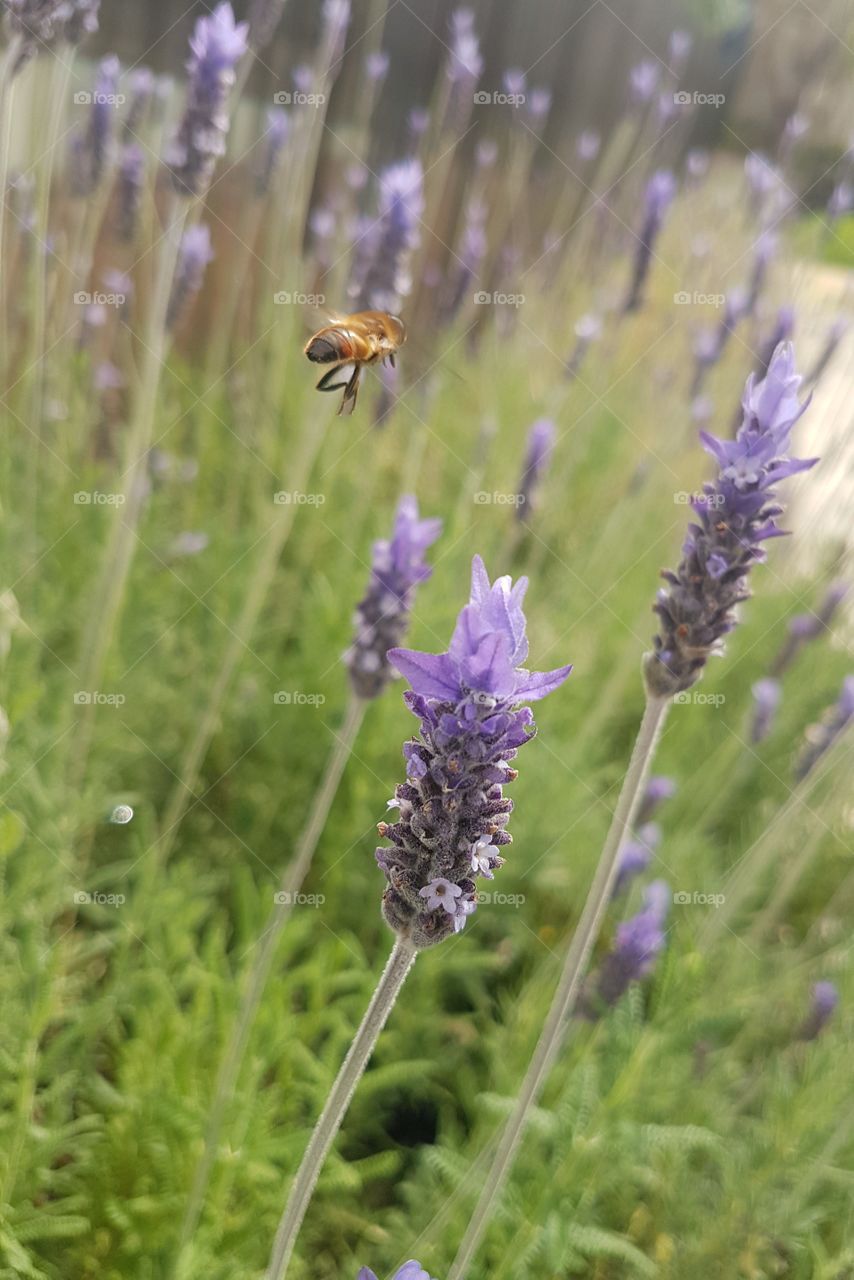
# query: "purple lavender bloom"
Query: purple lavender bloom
81,20
376,65
679,50
217,45
660,191
765,249
711,343
43,23
131,181
796,126
194,256
638,944
336,18
587,145
735,515
541,442
587,330
264,17
382,618
763,180
464,68
278,126
821,737
636,855
90,151
409,1271
452,810
658,789
643,80
767,696
514,82
142,85
824,997
835,334
418,122
697,164
471,253
539,104
808,626
386,281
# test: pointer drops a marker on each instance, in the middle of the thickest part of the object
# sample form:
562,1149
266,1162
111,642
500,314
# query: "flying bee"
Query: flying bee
348,344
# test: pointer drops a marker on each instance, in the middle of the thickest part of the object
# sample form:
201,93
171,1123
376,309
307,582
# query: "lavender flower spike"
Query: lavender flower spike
767,695
452,810
386,280
639,942
195,254
636,856
658,789
821,737
383,615
217,45
660,191
824,998
90,151
808,626
541,441
409,1271
735,515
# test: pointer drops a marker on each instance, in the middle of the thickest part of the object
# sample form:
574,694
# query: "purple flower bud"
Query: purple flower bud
107,377
386,281
643,80
418,121
91,150
189,543
409,1271
194,256
824,998
734,516
697,163
217,45
638,944
539,104
821,737
486,153
131,182
270,147
514,82
453,814
660,191
587,145
465,63
541,442
382,618
767,695
658,789
141,84
376,65
636,855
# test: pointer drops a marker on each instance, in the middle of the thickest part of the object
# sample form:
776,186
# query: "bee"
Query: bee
348,344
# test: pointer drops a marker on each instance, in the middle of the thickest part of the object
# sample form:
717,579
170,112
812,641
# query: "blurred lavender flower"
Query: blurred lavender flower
697,164
376,65
514,82
541,442
824,997
539,104
90,151
131,183
711,343
702,410
264,17
464,66
763,181
660,191
643,80
764,251
108,377
336,19
418,122
382,618
841,201
821,737
189,543
735,514
679,50
808,626
835,334
587,330
587,145
636,855
471,253
794,129
385,281
141,84
638,944
658,789
39,24
409,1271
270,147
453,813
217,45
194,256
767,696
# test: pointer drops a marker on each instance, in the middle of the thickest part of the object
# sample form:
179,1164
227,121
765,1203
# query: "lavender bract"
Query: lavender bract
735,515
217,45
383,615
453,813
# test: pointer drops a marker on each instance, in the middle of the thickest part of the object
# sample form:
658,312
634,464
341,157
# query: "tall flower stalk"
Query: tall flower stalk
696,611
470,704
382,618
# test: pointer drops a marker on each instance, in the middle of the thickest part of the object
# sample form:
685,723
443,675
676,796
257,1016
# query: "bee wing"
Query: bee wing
341,375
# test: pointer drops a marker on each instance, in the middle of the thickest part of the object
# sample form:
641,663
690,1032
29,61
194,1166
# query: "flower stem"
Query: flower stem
289,886
569,985
399,963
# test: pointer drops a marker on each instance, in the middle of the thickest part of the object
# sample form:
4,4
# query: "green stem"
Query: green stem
399,963
290,884
569,985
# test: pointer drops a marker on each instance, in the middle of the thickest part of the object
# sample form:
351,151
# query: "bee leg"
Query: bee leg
348,403
391,360
335,379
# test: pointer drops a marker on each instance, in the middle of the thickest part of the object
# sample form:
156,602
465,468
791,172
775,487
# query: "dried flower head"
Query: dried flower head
735,514
452,811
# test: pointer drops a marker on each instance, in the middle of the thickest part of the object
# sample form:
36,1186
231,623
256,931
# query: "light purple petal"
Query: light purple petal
430,674
533,685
